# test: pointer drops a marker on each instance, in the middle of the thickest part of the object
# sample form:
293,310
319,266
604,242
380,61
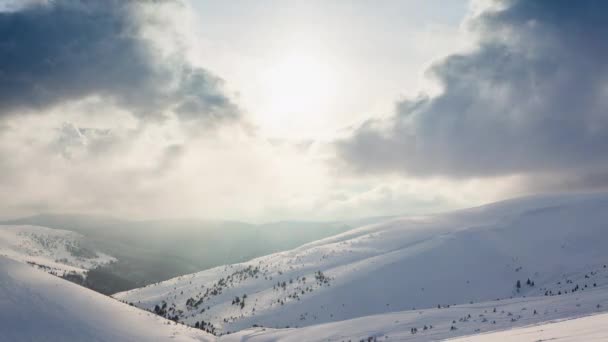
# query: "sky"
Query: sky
310,110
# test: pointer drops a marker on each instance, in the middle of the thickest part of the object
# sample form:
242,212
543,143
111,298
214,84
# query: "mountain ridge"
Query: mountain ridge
469,255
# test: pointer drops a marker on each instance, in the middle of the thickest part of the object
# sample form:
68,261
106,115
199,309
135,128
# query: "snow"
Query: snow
44,307
593,328
467,256
469,319
37,306
53,250
453,273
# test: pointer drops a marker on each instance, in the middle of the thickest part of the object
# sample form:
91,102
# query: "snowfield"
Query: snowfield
53,250
593,328
413,267
439,324
47,308
37,306
463,274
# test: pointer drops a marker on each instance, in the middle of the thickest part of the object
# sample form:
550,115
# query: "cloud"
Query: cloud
102,110
530,99
56,51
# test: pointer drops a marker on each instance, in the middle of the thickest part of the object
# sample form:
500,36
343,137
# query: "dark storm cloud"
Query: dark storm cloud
531,99
62,50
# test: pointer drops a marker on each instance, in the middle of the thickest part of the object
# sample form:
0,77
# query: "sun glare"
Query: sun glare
300,93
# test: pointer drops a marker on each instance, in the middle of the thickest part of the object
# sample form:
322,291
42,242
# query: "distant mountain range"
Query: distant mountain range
151,251
546,248
517,263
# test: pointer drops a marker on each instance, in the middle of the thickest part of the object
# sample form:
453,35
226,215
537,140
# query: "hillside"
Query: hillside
41,307
56,251
441,323
467,256
155,250
592,328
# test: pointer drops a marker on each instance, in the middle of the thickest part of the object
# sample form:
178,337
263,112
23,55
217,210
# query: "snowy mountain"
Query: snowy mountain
37,306
44,307
155,250
53,250
410,263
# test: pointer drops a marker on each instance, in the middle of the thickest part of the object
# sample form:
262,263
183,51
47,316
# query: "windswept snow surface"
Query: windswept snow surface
468,256
458,320
592,328
53,250
37,306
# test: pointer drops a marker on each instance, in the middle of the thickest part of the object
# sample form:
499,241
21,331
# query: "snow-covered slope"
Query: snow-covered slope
438,324
40,307
56,251
592,328
466,256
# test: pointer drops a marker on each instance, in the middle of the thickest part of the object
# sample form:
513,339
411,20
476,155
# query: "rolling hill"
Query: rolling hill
443,323
592,328
37,306
549,245
154,250
56,251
